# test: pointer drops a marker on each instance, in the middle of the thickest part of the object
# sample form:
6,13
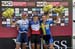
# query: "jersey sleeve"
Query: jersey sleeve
29,23
29,28
51,40
51,22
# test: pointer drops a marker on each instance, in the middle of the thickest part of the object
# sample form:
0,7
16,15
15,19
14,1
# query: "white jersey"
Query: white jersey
23,25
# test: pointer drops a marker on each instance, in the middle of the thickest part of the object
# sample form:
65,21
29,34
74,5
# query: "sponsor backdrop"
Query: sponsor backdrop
61,31
7,28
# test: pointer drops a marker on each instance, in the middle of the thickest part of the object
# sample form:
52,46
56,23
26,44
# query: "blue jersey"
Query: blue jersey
35,27
23,25
46,27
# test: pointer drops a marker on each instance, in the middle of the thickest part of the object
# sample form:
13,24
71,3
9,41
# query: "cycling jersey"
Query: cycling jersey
23,25
46,27
35,27
47,32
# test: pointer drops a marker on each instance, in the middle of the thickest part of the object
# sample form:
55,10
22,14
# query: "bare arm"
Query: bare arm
17,27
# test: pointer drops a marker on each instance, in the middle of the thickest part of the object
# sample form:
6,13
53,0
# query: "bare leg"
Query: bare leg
17,46
51,46
33,46
24,46
38,46
45,46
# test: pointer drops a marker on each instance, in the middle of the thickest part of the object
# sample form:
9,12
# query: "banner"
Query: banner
63,42
62,28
